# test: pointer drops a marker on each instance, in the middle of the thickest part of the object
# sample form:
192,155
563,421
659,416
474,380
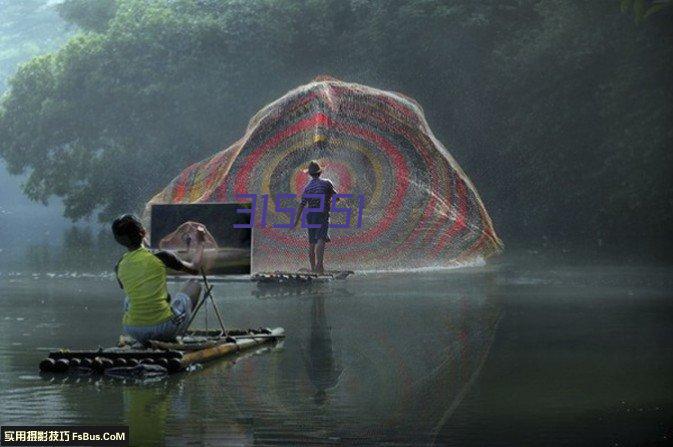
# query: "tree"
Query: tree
557,110
92,16
22,38
77,248
109,118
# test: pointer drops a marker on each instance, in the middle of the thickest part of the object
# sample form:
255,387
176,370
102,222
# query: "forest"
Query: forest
559,111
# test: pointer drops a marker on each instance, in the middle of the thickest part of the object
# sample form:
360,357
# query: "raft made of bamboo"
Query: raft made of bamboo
195,347
280,277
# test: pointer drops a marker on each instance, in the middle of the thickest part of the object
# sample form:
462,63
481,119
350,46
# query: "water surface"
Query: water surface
484,356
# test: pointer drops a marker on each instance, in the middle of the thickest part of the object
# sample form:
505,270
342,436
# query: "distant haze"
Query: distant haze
27,28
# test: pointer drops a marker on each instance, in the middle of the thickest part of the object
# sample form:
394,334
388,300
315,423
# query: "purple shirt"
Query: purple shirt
318,186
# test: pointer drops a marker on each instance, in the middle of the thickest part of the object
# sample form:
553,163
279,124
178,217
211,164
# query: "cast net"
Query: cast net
418,208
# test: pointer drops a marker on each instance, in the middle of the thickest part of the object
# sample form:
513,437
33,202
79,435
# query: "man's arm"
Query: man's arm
192,267
300,210
333,192
197,256
121,286
171,261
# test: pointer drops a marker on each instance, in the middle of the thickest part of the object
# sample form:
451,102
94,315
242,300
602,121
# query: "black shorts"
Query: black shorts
315,234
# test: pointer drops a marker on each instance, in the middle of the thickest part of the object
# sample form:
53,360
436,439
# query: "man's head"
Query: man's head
128,231
314,169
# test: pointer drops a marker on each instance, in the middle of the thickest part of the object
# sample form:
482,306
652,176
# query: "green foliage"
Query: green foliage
642,9
558,110
21,39
90,15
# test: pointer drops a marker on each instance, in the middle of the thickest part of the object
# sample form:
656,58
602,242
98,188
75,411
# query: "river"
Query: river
494,355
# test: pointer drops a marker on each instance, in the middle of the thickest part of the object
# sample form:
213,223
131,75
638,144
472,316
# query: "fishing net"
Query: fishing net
419,208
185,235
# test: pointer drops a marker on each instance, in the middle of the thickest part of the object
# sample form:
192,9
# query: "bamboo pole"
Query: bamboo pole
208,354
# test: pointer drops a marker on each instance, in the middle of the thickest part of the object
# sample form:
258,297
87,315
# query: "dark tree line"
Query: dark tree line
558,110
78,250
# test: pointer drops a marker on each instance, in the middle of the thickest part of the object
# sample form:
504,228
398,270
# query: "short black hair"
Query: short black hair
128,231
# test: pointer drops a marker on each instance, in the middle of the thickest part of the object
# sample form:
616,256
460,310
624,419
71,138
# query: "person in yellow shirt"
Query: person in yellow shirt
150,313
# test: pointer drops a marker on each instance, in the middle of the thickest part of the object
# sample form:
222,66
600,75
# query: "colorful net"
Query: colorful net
420,209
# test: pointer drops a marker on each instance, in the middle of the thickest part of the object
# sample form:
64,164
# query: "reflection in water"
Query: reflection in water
193,405
322,365
579,357
146,408
374,359
383,362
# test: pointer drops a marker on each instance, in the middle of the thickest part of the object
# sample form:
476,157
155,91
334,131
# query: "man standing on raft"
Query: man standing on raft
318,221
150,313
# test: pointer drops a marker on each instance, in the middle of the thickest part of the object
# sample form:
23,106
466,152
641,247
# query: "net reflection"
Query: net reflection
365,363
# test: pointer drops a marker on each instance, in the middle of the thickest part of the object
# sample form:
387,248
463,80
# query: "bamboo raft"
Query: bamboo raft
298,278
161,357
